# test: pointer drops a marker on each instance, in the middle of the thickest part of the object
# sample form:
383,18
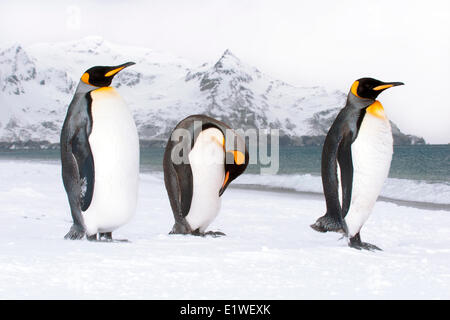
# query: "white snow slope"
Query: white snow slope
270,252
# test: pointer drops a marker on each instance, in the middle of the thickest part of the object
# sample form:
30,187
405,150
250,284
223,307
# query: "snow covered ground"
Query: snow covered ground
270,252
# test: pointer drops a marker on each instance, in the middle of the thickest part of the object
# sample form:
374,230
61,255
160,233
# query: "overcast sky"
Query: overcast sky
329,43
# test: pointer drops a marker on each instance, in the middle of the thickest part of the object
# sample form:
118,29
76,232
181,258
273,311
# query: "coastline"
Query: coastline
319,196
276,189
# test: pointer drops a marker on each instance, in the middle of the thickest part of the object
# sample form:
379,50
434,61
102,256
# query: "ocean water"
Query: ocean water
418,173
430,163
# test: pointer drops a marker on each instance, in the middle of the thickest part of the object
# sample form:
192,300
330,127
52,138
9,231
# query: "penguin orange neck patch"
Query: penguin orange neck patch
376,109
105,89
104,92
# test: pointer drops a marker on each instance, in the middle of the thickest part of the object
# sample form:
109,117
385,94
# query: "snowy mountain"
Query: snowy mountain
37,84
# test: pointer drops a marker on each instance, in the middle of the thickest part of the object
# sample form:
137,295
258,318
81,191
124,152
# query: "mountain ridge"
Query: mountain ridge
37,84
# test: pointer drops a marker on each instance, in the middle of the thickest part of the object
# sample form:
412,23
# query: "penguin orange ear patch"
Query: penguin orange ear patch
354,88
85,78
239,157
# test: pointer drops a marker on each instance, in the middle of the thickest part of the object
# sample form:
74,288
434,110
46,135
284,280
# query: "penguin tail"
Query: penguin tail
75,233
181,227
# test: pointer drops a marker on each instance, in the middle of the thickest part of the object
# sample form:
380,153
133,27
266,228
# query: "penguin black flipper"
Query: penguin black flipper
178,177
85,163
346,163
333,220
77,162
346,169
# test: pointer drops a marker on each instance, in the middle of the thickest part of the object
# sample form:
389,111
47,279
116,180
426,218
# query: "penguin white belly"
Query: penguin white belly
114,144
207,159
371,155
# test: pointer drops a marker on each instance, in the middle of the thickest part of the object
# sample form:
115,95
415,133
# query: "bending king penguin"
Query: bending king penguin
356,157
99,156
213,155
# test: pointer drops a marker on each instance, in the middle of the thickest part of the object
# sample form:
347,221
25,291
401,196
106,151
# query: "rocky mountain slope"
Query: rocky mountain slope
38,82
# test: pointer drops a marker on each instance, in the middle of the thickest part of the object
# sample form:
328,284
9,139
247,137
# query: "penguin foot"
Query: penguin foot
326,223
356,243
75,233
214,234
105,237
116,241
365,246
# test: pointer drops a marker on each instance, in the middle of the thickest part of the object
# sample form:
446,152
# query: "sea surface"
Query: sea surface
427,163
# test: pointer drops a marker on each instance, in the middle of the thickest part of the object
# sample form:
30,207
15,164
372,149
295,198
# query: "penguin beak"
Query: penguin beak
116,69
387,85
238,159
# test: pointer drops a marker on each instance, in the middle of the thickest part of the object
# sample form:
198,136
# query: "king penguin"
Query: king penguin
202,157
356,158
99,156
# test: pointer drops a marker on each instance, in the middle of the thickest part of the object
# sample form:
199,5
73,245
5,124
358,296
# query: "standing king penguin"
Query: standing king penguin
356,157
99,156
197,170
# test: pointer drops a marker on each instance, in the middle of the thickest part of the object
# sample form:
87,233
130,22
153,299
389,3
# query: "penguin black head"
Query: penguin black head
236,162
101,76
369,88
